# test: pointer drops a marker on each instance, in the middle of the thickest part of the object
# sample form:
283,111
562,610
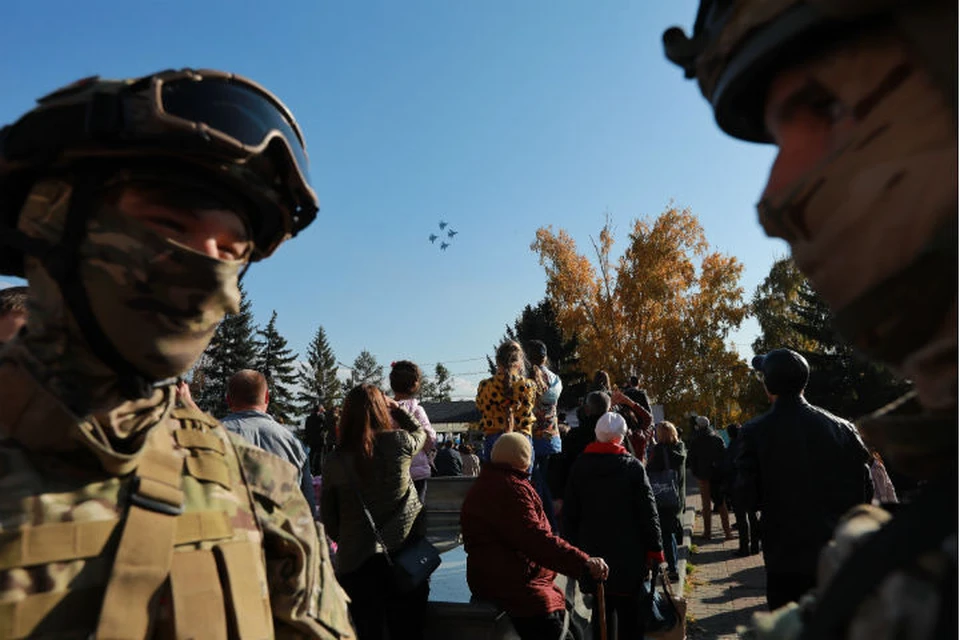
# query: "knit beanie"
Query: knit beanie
512,449
611,427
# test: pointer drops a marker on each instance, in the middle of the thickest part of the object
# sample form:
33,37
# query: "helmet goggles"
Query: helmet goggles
232,127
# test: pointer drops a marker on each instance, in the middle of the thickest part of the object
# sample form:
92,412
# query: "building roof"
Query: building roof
453,412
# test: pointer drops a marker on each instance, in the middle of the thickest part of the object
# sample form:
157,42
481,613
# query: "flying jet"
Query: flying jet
452,233
443,246
443,225
433,237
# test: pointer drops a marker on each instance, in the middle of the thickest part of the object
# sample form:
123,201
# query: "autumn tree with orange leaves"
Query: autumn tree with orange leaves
663,310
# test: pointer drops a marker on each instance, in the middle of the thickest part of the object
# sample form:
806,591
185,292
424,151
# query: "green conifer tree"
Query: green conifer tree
233,348
277,363
319,376
438,388
366,370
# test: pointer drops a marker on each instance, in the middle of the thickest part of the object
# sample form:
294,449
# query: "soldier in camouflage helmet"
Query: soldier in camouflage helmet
860,96
132,208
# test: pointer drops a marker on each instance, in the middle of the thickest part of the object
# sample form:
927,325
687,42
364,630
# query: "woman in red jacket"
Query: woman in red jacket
512,557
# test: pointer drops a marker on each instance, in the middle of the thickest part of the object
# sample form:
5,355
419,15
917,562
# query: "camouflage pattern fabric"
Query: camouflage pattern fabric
242,505
868,210
873,226
158,301
905,606
745,18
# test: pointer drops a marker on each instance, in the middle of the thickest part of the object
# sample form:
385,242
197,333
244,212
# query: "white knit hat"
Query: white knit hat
611,427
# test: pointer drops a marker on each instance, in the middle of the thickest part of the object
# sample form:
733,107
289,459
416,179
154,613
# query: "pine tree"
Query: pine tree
277,364
319,373
540,323
233,348
439,388
366,370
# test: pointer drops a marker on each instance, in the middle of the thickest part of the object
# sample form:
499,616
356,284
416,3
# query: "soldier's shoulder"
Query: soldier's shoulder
191,416
268,475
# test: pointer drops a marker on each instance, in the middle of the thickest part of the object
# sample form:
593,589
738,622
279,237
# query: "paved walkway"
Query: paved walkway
724,590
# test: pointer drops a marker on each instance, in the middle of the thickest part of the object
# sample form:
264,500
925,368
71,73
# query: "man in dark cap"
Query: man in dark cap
802,468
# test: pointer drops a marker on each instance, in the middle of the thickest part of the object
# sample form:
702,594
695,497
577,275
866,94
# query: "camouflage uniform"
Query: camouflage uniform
873,224
64,509
123,515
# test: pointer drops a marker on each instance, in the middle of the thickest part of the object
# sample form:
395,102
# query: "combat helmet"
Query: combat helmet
737,44
734,52
217,131
226,128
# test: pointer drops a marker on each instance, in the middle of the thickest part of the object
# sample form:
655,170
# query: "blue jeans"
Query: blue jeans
539,480
669,532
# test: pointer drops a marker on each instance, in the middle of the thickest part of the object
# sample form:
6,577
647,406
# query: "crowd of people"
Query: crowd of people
603,502
589,501
133,207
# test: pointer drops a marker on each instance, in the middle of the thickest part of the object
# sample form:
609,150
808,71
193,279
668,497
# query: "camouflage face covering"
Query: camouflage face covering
159,302
867,211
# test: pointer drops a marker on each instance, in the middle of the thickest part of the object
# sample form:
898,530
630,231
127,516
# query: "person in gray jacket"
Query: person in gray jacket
248,398
377,440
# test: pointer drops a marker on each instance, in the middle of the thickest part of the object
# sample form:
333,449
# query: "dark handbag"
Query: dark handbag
658,611
411,564
664,485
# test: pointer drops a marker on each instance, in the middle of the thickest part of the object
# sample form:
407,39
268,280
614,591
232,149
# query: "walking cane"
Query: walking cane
602,610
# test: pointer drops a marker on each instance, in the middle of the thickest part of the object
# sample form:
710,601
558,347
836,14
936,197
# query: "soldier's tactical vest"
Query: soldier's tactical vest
173,550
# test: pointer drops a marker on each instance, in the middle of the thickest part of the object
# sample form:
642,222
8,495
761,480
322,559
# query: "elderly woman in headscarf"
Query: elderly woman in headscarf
512,556
609,511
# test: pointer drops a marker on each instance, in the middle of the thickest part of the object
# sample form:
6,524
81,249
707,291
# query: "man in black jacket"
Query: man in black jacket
638,395
802,468
315,429
448,461
705,459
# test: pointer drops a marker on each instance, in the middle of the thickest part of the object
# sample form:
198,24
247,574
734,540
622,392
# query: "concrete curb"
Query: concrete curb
686,523
683,551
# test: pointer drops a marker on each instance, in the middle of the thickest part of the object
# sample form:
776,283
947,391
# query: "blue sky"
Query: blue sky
498,117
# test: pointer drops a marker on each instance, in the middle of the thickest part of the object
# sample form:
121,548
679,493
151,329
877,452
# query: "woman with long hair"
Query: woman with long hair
670,453
506,401
405,378
377,441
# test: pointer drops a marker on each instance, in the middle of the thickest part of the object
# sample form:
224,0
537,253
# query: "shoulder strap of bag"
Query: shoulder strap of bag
920,527
352,479
143,559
